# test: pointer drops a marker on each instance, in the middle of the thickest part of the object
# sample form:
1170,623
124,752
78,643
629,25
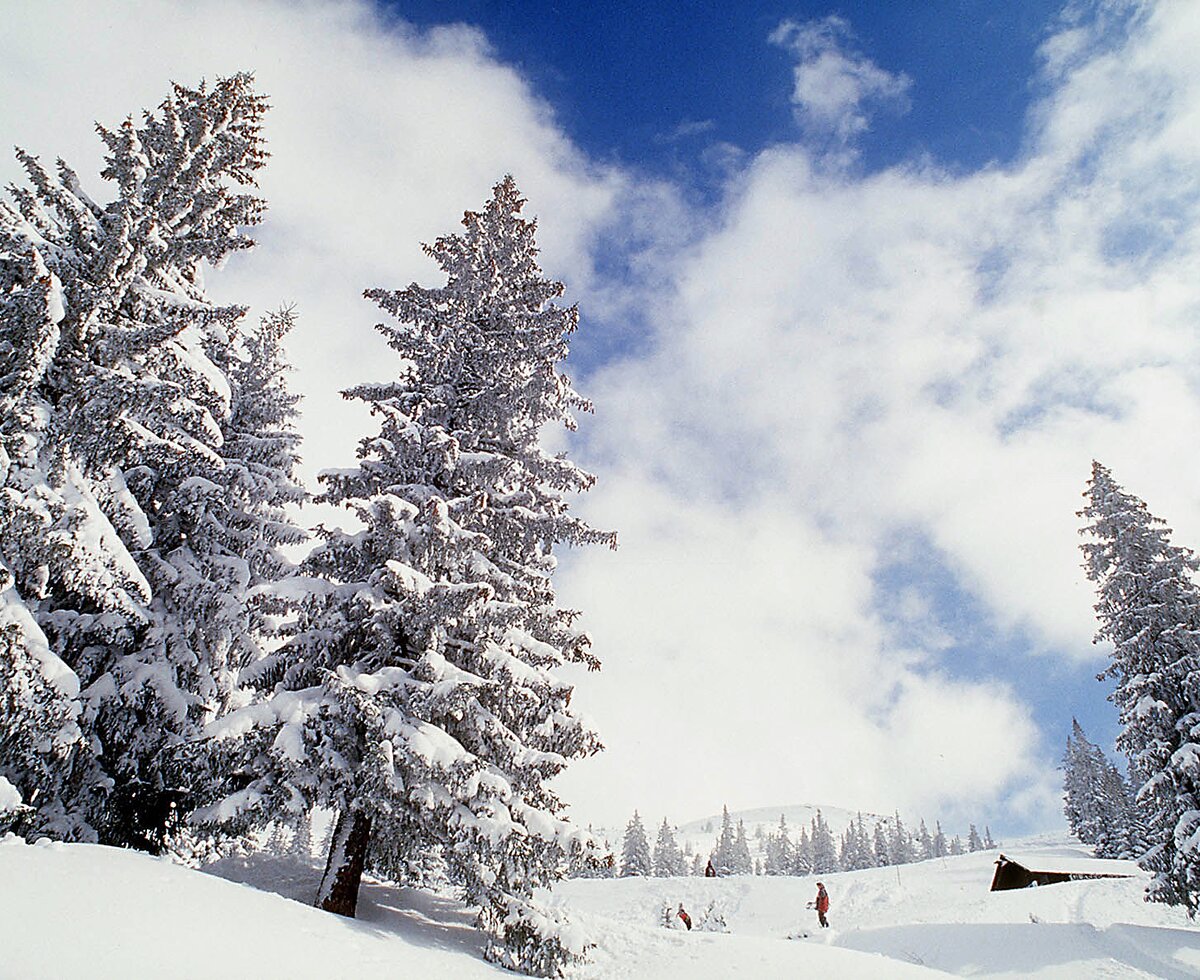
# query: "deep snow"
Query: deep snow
87,911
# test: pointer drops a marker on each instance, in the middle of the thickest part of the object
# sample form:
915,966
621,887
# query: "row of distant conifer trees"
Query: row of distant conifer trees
815,851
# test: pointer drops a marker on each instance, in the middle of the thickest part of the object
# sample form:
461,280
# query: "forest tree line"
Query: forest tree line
816,850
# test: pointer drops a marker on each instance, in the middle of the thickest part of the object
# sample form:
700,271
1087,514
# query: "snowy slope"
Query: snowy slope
938,914
86,911
79,910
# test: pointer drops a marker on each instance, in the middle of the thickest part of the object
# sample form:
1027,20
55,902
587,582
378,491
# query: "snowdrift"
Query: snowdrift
80,910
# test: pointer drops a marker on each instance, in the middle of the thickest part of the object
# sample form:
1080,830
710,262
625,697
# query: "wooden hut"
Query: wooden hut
1044,870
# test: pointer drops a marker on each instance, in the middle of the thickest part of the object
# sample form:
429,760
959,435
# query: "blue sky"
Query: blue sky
864,289
624,78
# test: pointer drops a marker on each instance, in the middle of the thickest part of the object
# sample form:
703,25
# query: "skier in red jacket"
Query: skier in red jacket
822,905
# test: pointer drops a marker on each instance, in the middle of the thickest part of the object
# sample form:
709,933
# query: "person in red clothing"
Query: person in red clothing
687,919
822,905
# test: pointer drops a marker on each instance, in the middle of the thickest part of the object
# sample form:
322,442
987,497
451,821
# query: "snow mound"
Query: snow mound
81,910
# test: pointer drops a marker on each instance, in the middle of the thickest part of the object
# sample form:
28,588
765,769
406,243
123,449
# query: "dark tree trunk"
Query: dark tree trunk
344,866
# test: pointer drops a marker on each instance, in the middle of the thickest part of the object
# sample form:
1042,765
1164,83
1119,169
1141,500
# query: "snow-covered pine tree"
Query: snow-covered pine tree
940,847
856,847
635,850
742,862
1097,800
974,841
1149,609
724,855
848,852
956,846
668,859
779,856
864,849
881,847
113,388
900,848
924,843
418,696
802,859
1083,777
1123,836
824,848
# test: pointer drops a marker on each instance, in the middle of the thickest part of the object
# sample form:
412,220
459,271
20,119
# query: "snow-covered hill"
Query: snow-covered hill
935,914
86,911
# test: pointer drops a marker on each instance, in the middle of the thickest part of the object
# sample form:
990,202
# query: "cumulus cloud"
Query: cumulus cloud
834,84
847,360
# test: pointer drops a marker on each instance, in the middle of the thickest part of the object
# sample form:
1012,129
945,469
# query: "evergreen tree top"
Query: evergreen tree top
491,335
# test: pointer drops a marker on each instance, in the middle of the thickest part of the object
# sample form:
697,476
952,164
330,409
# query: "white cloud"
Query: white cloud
846,358
834,84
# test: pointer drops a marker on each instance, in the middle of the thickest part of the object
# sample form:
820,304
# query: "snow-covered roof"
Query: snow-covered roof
1073,864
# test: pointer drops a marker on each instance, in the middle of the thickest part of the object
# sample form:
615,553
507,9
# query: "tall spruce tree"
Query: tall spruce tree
974,841
742,862
824,847
419,694
779,851
668,859
1149,609
900,847
635,850
881,847
243,534
860,853
940,848
724,855
113,399
924,843
1096,800
802,859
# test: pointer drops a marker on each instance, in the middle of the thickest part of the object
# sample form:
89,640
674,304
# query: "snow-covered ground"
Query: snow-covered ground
85,911
936,914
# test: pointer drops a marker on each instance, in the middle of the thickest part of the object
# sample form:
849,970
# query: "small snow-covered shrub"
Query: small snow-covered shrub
712,919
